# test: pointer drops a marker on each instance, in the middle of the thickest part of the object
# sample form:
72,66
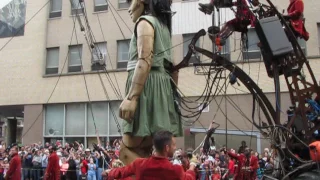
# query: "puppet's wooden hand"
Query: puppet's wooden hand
128,108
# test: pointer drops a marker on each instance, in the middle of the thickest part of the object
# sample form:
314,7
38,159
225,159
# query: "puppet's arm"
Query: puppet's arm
145,40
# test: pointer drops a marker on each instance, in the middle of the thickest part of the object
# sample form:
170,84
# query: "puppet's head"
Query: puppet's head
136,9
158,8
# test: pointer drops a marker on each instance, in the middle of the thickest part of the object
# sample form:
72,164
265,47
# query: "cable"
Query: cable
109,57
23,26
103,86
117,21
82,70
118,15
54,88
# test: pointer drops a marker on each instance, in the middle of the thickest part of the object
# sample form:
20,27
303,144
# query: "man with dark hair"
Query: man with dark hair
14,171
53,168
157,166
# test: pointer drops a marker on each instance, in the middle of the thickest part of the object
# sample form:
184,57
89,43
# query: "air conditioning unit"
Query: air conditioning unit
101,59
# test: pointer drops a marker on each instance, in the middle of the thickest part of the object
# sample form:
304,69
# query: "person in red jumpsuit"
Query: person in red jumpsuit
53,168
295,16
247,165
244,18
14,171
158,166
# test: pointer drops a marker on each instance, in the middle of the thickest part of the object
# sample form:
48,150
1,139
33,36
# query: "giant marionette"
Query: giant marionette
150,99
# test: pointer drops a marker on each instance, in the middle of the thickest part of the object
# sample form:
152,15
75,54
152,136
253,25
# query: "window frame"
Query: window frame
195,58
74,68
101,7
255,53
122,64
63,136
226,50
47,72
97,65
55,14
123,3
75,11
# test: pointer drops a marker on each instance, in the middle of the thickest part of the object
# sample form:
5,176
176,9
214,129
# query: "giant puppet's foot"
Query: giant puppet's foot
212,30
206,8
132,147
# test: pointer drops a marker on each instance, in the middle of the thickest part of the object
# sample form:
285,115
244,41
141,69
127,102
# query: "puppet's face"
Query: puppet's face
136,9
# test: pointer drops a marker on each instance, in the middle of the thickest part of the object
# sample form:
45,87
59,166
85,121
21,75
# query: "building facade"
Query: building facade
60,88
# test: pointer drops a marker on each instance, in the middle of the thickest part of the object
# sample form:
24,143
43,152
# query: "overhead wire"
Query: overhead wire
101,81
96,48
24,25
82,69
56,84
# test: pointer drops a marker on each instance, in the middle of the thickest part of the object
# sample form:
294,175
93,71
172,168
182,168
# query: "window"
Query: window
100,5
100,115
225,52
204,109
123,4
74,122
123,53
52,61
75,61
114,120
303,45
99,56
75,119
76,7
253,51
55,8
54,120
195,58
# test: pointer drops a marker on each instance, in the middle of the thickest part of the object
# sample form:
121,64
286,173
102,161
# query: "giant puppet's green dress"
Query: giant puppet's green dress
156,108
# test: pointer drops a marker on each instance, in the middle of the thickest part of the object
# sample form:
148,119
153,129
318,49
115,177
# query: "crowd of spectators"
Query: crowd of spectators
78,162
217,165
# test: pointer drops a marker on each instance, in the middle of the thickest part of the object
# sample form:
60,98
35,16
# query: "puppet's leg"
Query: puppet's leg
133,147
206,8
220,37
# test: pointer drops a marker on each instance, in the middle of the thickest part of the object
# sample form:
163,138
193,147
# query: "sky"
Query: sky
3,3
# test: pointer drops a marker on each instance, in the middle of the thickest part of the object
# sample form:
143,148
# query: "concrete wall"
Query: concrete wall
33,124
22,64
236,120
23,60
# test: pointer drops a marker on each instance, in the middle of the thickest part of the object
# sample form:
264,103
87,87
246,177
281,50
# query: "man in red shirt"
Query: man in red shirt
14,171
84,166
158,166
295,15
53,168
247,165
